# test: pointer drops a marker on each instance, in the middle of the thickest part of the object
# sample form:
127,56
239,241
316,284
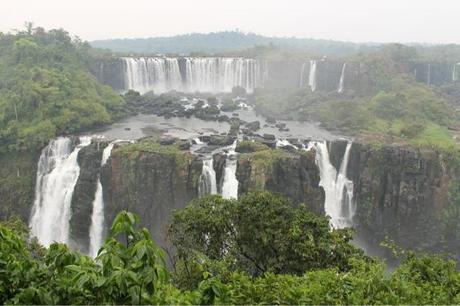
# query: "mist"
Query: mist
355,20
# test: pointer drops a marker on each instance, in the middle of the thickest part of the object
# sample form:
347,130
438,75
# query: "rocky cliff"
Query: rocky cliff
291,173
18,173
401,193
150,180
89,159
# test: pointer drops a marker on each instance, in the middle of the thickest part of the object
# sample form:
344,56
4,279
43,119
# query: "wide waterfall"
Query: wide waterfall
96,230
208,184
191,74
230,183
338,188
342,78
312,75
57,174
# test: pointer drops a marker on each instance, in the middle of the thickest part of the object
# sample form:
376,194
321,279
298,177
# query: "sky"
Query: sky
429,21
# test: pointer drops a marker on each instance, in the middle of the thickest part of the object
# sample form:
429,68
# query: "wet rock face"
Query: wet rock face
18,172
400,193
89,159
151,185
219,163
292,174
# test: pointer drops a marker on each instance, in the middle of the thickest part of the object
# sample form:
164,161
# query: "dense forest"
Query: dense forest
256,250
46,89
222,42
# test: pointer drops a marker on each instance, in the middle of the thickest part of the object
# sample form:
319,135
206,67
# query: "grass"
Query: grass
151,145
435,136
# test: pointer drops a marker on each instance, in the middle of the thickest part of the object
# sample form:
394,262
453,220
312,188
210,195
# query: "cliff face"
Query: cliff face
293,174
18,173
401,194
89,159
150,184
110,71
359,76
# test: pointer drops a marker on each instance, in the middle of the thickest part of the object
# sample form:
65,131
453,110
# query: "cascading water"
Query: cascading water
190,74
428,79
302,74
230,183
57,174
96,230
337,187
454,72
312,75
208,184
342,78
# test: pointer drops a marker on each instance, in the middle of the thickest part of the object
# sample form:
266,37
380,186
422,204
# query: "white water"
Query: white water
428,79
191,74
96,230
454,72
57,174
342,78
302,74
280,143
208,184
230,183
337,187
312,75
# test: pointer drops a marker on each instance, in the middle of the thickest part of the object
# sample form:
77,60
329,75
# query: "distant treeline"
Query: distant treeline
221,42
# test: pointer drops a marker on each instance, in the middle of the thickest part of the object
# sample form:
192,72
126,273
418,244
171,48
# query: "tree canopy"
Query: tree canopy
46,89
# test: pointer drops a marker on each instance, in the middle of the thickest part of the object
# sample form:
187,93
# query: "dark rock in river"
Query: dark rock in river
253,126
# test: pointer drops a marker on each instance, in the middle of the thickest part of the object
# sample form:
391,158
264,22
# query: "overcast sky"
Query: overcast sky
435,21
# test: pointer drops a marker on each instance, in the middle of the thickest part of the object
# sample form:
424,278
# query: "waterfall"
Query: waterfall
337,187
428,79
342,78
454,72
230,183
208,184
57,175
312,75
302,74
191,74
96,230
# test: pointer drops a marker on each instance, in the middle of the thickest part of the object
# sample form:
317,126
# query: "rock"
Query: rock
218,140
127,129
269,137
294,175
271,120
219,162
269,143
280,125
223,118
89,159
205,138
253,126
184,145
151,185
166,141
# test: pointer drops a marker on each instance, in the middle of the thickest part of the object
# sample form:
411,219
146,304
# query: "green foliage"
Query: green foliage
394,109
46,89
152,145
259,233
249,146
130,267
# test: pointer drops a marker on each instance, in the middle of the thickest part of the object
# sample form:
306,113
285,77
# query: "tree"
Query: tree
259,233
